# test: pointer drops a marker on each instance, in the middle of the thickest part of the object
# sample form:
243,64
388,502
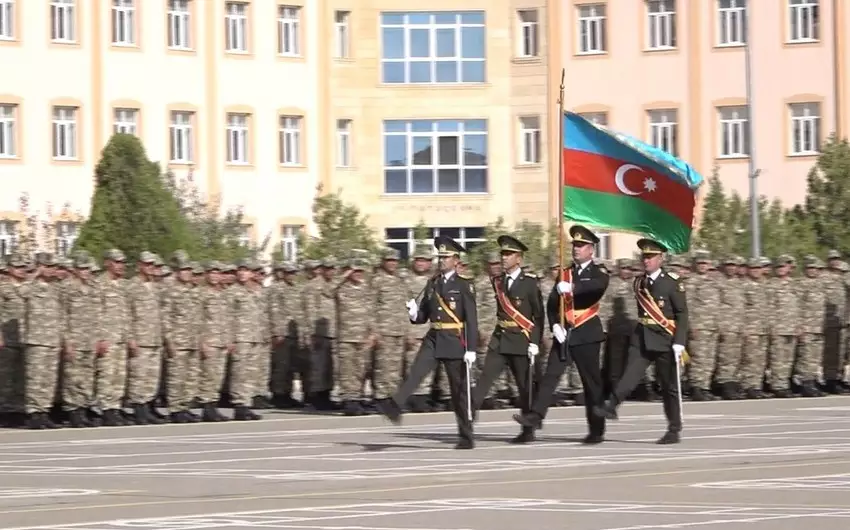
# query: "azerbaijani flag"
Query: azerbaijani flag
617,182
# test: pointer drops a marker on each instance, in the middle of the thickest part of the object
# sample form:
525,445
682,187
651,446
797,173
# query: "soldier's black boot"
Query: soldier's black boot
608,410
669,438
243,413
529,420
835,387
783,393
729,391
35,420
78,419
700,394
390,409
212,414
525,436
181,416
112,418
154,413
810,389
754,393
260,402
351,408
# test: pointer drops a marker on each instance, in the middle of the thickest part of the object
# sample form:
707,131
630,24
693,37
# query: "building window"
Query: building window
734,132
343,139
732,22
65,133
236,27
288,31
804,20
8,149
592,33
805,128
435,156
181,137
126,121
603,248
66,236
179,36
244,239
403,239
7,19
441,47
529,28
663,130
662,24
8,238
237,138
289,137
596,118
63,21
123,23
289,242
529,131
342,34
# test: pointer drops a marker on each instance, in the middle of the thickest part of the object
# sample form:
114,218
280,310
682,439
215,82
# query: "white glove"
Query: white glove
412,309
565,288
560,333
678,349
469,357
533,350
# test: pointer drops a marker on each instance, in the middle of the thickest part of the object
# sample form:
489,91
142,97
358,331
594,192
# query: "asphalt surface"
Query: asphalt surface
771,465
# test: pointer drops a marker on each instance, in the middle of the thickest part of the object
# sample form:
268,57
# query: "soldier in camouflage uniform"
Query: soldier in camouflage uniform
81,301
260,400
729,323
247,339
356,335
622,319
836,292
421,272
285,315
755,330
391,292
784,327
42,334
486,305
703,305
181,330
813,302
321,318
215,345
12,312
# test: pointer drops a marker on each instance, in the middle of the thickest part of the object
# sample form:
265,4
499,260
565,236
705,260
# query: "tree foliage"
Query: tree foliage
828,196
342,230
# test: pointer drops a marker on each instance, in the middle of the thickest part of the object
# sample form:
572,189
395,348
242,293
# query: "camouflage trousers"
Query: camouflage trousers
809,355
246,372
781,361
213,370
753,361
264,369
729,350
78,387
11,379
41,375
320,365
833,362
183,379
388,365
703,352
143,374
284,359
352,362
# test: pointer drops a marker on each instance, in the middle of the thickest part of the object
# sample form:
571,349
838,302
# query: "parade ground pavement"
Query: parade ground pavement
763,465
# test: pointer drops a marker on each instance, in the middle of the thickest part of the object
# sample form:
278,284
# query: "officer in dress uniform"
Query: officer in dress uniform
519,330
582,287
659,338
448,303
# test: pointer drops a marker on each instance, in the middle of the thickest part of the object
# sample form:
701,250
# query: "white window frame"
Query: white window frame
65,133
664,129
731,23
290,140
66,236
530,137
412,242
238,138
734,141
244,239
603,248
8,131
8,237
289,31
126,121
181,137
343,143
433,59
63,21
592,31
7,20
528,44
661,25
804,20
805,129
596,118
236,27
289,242
342,34
123,22
179,25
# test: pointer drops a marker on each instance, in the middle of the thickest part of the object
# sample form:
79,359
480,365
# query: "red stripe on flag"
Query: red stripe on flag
597,173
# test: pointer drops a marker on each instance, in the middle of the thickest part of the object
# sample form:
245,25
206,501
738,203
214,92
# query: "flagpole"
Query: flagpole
755,220
561,197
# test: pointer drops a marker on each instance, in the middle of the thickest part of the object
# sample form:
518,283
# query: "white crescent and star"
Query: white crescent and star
649,184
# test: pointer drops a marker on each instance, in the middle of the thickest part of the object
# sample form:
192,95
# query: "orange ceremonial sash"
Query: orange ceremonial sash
521,320
576,317
651,308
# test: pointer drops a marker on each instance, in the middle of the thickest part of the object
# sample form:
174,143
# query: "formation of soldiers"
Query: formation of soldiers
86,346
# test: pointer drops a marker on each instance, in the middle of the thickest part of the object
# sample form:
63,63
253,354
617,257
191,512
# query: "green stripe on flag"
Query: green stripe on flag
630,214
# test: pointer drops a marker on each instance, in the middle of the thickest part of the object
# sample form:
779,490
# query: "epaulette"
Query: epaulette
674,276
467,277
532,275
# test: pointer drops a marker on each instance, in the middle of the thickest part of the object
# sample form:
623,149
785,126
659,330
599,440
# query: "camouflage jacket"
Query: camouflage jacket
81,306
146,304
756,307
215,315
391,295
114,310
356,305
784,306
12,311
182,318
43,321
244,315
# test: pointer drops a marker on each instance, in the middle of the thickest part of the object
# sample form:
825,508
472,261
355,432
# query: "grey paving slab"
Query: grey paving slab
772,464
